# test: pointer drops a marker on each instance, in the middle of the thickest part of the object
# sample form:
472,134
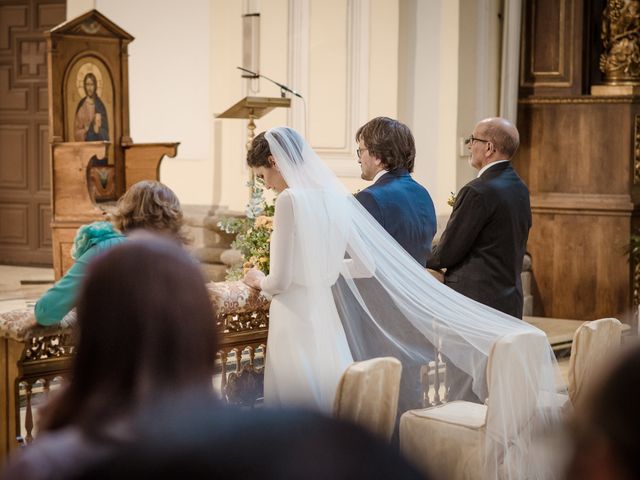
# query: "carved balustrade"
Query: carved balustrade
37,359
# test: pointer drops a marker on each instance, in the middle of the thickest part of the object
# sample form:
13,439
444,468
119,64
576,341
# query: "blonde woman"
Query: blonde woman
147,205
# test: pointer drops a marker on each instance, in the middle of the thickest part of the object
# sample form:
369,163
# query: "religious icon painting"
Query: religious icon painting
89,118
89,102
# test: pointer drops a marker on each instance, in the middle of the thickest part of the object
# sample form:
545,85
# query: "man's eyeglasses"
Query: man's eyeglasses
470,139
360,150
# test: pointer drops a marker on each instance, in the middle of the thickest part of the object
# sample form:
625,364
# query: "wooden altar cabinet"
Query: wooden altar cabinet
93,159
580,157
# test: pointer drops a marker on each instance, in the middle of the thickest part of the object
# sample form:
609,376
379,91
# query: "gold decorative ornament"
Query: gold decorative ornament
620,60
636,152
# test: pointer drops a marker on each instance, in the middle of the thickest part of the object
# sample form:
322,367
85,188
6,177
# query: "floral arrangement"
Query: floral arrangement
451,201
253,233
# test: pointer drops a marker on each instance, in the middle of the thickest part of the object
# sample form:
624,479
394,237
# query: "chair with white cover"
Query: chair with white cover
367,395
591,349
454,440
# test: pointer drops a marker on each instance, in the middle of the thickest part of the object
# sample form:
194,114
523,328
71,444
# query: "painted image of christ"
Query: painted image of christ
91,121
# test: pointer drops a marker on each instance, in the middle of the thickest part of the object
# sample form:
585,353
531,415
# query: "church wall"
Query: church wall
169,86
428,91
479,73
351,61
229,135
341,56
78,7
449,78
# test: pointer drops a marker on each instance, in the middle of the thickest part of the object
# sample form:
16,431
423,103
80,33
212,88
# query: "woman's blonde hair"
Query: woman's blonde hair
150,205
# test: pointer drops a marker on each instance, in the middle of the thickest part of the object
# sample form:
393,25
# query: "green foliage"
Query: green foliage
253,233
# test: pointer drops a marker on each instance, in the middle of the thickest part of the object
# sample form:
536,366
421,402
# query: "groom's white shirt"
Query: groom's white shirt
488,166
378,175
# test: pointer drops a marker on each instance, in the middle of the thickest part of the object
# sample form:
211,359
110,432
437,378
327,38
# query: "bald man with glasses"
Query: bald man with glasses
483,245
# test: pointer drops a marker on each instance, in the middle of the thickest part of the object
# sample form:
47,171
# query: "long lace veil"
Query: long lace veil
389,305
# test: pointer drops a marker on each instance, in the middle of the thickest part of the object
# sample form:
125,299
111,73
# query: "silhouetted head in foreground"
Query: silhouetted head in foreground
146,328
607,428
196,441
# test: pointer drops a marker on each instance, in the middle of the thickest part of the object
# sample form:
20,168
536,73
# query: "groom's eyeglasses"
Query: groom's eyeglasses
470,139
360,150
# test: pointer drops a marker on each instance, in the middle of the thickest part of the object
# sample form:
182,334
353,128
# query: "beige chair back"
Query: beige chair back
593,344
368,395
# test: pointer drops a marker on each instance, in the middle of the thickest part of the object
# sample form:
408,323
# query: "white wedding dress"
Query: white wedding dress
323,242
307,347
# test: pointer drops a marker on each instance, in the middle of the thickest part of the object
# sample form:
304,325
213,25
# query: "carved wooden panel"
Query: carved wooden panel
13,223
636,151
551,47
43,99
570,147
12,97
62,242
25,236
580,268
13,148
32,52
142,161
44,223
578,158
13,18
49,15
44,169
340,98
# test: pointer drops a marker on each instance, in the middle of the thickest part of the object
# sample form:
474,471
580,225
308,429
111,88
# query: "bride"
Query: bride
323,239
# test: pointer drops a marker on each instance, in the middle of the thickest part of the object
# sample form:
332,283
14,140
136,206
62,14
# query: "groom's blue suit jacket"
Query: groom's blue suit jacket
405,210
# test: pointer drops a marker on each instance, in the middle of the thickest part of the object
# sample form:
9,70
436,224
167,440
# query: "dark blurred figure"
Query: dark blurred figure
607,427
197,441
145,330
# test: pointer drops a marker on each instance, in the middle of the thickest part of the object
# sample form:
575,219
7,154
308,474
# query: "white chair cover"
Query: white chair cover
462,440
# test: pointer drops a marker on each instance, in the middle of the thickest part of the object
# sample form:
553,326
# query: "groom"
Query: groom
386,153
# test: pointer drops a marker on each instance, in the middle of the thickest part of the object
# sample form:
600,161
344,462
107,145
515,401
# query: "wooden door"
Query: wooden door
25,203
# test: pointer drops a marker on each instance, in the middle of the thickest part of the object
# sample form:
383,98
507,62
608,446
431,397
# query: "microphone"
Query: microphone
282,87
253,74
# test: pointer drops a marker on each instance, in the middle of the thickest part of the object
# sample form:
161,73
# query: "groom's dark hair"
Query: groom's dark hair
258,155
390,141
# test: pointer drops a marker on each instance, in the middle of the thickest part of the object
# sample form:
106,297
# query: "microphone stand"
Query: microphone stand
283,88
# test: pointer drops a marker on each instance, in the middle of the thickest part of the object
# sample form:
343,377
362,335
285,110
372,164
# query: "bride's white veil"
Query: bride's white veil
390,305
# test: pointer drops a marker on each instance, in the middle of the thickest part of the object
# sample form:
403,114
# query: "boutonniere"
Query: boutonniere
451,201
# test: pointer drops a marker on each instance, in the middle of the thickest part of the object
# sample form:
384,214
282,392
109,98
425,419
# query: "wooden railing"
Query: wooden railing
37,359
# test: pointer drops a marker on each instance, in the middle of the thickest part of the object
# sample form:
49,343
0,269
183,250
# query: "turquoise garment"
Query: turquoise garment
90,240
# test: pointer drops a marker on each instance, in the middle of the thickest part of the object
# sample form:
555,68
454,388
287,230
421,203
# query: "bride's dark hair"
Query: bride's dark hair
258,155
